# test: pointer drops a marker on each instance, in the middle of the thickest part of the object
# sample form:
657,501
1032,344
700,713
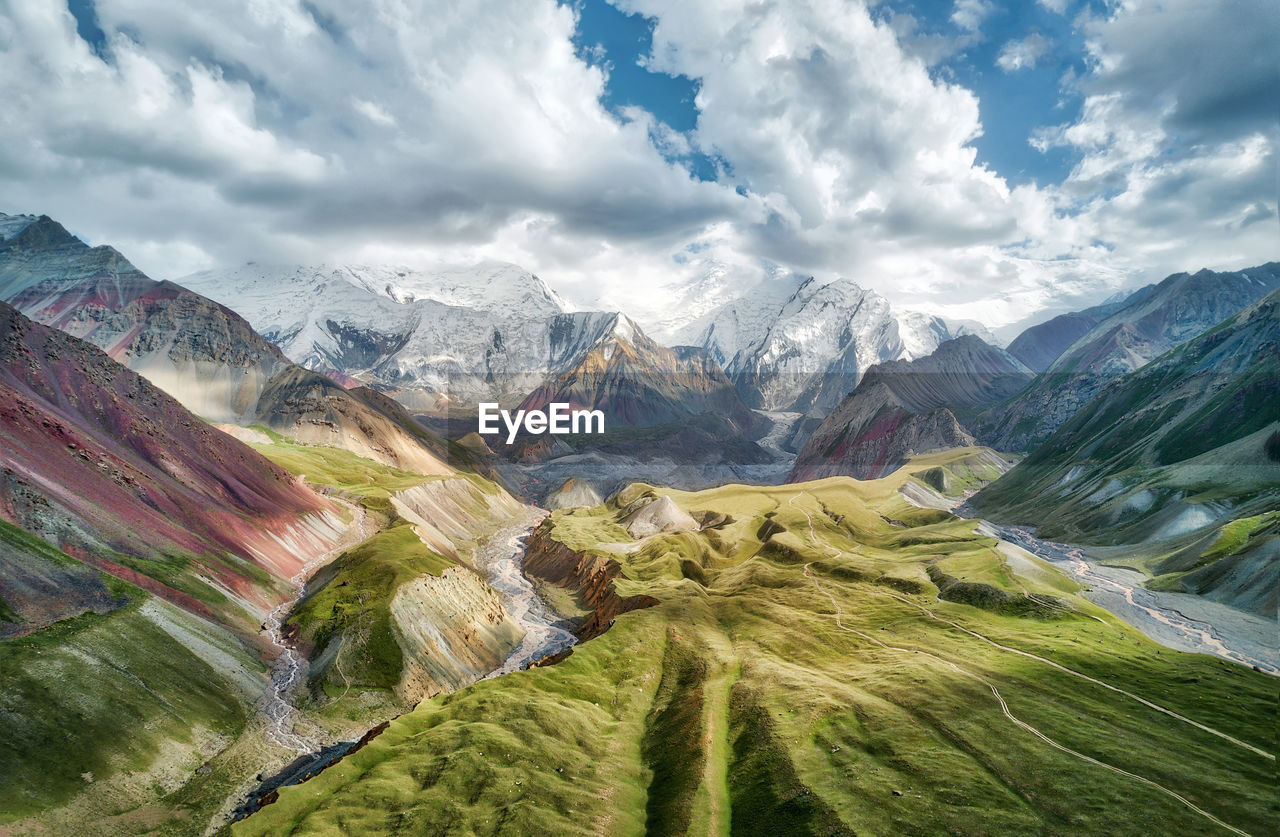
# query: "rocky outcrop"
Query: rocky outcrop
880,445
658,515
574,492
453,630
313,410
587,575
448,512
639,383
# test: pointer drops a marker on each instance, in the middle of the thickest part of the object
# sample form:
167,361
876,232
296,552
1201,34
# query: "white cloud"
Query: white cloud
969,14
1023,54
420,130
1176,136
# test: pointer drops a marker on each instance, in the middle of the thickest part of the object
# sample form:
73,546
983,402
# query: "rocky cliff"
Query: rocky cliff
590,577
453,629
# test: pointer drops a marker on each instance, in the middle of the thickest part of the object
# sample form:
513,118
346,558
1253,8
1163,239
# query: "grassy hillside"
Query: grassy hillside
346,623
801,676
1172,458
109,707
352,601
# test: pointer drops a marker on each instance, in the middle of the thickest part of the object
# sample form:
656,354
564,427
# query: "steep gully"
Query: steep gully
501,559
277,708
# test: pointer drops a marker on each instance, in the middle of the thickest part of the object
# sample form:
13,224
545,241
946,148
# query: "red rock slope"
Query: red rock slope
119,474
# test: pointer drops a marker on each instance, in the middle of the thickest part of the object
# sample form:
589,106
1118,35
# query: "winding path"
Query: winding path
1004,707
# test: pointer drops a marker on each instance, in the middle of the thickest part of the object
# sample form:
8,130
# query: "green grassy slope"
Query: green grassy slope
808,680
352,601
345,623
104,699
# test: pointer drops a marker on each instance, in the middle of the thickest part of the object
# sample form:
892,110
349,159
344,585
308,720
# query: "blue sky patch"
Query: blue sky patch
609,37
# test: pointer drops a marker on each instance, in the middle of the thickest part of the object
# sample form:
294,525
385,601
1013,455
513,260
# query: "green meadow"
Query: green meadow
801,674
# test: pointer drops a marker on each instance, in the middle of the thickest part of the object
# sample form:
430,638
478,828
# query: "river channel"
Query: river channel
1176,620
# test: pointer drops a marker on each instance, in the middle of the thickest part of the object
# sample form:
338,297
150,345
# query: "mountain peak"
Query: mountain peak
28,233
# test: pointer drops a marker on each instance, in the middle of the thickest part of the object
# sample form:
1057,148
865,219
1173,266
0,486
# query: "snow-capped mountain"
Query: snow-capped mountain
801,344
487,286
11,225
477,332
492,332
676,313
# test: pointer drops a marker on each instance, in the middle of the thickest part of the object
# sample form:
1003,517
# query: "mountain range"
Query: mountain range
203,354
902,408
256,541
801,345
118,474
1181,457
1143,327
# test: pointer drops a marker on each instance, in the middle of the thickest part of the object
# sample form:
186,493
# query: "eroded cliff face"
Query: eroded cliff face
589,576
453,630
407,613
445,513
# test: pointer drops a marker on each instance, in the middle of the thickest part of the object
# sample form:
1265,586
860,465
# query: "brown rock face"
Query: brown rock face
903,408
590,576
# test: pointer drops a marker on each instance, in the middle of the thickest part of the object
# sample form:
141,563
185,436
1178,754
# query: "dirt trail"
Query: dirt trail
1149,704
1004,707
1082,676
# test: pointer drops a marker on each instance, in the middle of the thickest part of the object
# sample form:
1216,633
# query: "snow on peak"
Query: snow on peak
11,225
487,286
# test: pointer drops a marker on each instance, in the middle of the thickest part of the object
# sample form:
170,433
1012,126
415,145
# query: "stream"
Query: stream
1176,620
289,666
501,559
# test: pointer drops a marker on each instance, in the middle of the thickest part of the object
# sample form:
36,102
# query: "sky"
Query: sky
1002,161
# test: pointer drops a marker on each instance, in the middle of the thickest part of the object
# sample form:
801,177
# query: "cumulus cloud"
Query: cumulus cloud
420,130
1023,54
1177,135
969,14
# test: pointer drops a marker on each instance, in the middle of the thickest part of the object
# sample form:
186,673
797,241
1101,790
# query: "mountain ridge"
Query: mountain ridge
900,408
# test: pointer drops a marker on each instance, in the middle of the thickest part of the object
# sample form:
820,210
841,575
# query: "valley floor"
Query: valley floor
1176,620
